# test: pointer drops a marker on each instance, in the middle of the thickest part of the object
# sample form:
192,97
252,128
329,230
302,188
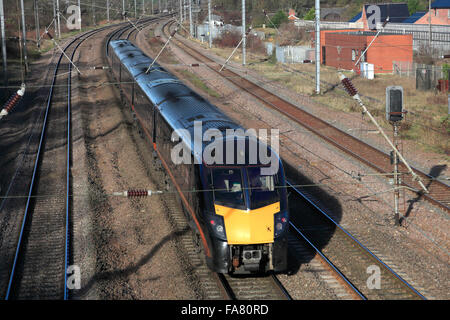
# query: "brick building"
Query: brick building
440,14
397,12
341,49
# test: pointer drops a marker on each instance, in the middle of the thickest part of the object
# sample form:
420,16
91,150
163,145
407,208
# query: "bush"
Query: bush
228,39
291,35
279,18
310,15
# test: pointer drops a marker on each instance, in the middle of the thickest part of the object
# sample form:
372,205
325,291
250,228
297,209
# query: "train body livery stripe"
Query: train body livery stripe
183,198
249,226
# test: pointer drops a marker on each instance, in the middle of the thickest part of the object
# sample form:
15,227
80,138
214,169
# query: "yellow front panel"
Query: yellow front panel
248,227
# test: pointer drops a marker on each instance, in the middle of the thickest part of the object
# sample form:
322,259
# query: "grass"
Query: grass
427,121
199,83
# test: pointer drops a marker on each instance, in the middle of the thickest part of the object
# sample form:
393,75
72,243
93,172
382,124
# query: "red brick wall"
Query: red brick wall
385,50
323,39
389,48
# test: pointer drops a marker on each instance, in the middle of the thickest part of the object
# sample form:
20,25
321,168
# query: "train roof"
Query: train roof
180,106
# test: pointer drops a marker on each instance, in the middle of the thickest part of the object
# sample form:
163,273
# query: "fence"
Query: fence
217,30
409,69
294,54
440,34
426,76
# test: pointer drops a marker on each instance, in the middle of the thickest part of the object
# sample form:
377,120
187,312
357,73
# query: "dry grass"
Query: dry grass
426,123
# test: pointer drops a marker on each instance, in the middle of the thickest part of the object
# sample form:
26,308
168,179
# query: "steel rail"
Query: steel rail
342,140
80,38
281,287
329,264
355,241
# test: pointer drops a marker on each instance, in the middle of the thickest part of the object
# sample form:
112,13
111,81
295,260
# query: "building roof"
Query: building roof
365,33
397,12
441,4
356,18
414,17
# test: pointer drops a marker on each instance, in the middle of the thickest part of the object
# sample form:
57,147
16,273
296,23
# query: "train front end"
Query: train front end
249,217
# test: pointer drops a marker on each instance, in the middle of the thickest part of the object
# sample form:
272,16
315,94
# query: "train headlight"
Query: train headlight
217,225
281,221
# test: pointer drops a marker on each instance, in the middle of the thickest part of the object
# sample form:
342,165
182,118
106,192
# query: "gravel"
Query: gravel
418,251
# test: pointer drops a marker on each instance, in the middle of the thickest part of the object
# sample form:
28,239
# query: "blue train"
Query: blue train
238,210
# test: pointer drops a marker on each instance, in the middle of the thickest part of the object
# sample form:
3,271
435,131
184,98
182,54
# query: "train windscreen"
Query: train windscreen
262,188
228,187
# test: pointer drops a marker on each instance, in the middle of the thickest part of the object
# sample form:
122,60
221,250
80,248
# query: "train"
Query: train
236,207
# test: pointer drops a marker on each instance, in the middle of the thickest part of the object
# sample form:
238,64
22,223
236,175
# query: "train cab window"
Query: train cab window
262,188
227,186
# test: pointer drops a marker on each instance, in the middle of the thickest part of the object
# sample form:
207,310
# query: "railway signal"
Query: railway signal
394,114
394,104
348,85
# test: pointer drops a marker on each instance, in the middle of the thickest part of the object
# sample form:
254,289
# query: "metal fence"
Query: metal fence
440,34
294,54
409,69
427,76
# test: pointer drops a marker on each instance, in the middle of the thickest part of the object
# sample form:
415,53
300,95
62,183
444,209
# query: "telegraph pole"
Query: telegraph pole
2,27
54,17
210,25
59,22
396,178
317,11
36,19
429,24
244,36
191,26
79,16
107,10
123,9
93,12
24,36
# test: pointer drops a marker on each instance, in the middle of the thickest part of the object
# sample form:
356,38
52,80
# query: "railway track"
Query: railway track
42,248
42,252
439,192
351,261
253,288
221,286
216,286
338,244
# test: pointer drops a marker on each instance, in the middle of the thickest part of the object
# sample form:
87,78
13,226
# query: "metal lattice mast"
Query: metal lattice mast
317,12
244,36
24,36
210,24
2,27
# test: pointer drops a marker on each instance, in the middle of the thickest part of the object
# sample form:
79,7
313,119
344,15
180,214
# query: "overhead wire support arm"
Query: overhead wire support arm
61,49
232,53
351,90
273,24
162,49
134,26
374,38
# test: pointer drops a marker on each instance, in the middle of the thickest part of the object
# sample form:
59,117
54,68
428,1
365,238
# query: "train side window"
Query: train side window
163,138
